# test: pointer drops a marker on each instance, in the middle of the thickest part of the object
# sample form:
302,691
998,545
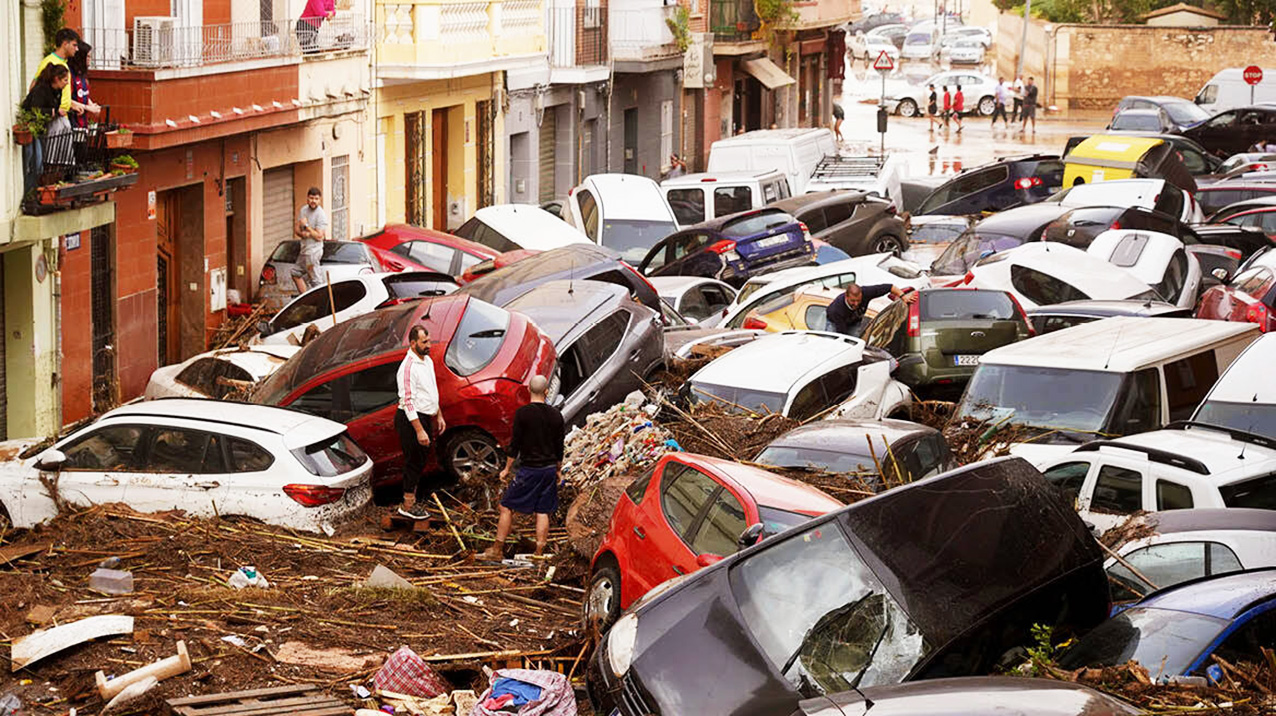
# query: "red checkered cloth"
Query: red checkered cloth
557,698
407,673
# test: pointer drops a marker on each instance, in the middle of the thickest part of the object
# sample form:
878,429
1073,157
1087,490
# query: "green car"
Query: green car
938,338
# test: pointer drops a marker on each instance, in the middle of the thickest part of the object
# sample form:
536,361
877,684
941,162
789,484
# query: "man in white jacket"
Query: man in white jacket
418,420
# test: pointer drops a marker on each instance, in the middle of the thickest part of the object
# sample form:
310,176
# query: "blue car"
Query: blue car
1176,631
733,248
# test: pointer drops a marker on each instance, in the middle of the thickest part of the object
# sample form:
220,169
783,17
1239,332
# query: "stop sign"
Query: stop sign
1253,74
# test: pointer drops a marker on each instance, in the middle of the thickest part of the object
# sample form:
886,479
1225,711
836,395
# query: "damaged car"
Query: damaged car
218,374
864,449
938,578
970,696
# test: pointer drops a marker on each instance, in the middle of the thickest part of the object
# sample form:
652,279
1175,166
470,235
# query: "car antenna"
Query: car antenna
1115,339
571,276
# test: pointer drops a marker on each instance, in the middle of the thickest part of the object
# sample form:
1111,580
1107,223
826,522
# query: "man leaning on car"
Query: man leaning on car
845,315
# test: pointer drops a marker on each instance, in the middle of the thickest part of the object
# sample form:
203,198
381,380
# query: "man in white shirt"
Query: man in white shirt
1017,91
999,103
418,420
312,229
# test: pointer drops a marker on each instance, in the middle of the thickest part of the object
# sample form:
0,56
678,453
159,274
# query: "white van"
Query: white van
700,197
1245,397
626,213
796,152
1118,376
509,227
1228,90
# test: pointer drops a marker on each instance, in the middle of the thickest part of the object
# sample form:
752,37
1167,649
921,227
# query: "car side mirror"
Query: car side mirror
751,535
704,560
51,461
1221,274
263,328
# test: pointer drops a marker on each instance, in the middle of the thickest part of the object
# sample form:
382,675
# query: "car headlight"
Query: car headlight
620,644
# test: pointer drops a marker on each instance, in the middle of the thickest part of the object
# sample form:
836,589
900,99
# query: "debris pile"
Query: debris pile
1242,689
618,441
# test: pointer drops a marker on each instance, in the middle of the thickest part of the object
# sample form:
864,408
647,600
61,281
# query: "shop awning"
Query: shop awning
768,73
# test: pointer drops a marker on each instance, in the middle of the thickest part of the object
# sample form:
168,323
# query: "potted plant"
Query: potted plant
29,124
119,138
124,163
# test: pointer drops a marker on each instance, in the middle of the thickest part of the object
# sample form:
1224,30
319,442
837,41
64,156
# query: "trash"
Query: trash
270,701
10,705
109,563
159,670
39,644
618,441
368,712
403,703
530,692
333,659
235,639
247,577
360,691
464,700
111,581
405,672
383,576
131,692
41,614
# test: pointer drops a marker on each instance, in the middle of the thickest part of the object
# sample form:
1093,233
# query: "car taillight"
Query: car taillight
1233,253
267,274
314,495
722,247
1257,313
754,324
970,276
1022,314
915,318
395,301
1115,225
1027,182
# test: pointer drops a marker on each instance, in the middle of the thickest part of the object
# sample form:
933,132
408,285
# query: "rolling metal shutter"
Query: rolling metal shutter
4,401
546,156
278,210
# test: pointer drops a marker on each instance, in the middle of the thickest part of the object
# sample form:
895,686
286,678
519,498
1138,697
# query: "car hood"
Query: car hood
680,340
11,460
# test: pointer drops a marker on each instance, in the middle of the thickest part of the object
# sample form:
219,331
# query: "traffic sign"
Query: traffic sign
1253,74
884,63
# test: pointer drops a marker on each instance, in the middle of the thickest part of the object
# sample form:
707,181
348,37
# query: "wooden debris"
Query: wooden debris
305,700
18,551
160,670
37,645
333,659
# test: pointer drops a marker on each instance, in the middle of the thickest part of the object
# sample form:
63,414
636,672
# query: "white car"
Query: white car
1177,545
965,52
341,259
510,227
347,299
971,33
1158,260
207,458
864,270
216,374
872,46
1242,165
1178,467
626,213
1244,397
919,45
977,89
1155,194
1045,272
693,297
807,374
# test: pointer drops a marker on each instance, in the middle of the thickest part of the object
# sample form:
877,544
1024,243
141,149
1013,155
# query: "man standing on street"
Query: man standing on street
948,106
1017,91
845,315
839,115
312,229
999,103
932,106
537,443
418,420
959,104
1029,106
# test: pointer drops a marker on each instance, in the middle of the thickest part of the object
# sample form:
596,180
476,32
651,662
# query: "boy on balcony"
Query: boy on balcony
311,19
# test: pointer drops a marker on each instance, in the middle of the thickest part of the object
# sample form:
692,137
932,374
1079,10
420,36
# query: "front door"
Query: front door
440,169
103,315
631,141
168,319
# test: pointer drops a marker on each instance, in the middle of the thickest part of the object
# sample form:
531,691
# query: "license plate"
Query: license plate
615,712
770,241
965,360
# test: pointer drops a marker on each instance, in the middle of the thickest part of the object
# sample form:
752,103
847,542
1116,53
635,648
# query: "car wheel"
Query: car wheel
887,244
471,455
987,105
602,602
907,108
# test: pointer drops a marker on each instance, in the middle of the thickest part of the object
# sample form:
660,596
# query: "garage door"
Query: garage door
278,209
4,401
546,154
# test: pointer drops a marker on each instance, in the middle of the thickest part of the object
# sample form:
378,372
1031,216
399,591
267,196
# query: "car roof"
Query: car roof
849,436
640,196
408,232
790,357
1222,597
1131,342
558,307
1202,519
297,429
530,226
772,135
801,274
712,178
507,282
1248,378
802,201
767,488
258,360
1226,458
674,286
1021,218
1105,308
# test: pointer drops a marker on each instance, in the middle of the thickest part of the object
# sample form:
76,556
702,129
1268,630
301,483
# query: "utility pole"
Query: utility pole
1023,38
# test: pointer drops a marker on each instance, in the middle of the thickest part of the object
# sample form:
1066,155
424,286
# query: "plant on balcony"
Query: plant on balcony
119,138
680,26
774,14
29,124
123,164
52,19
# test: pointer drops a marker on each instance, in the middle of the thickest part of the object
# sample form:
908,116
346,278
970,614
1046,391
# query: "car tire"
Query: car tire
987,105
906,108
602,601
886,244
470,455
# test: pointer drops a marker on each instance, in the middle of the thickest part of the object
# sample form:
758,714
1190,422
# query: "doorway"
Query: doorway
631,141
167,268
237,236
180,285
439,168
102,293
746,109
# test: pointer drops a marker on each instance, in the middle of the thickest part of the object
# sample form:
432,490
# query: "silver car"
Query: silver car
341,259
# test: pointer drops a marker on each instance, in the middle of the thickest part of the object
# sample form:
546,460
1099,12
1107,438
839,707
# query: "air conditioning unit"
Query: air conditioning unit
153,40
593,16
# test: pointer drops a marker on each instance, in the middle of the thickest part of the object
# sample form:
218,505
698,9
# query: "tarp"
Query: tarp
768,73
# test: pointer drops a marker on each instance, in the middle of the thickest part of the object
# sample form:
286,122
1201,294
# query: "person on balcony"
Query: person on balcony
311,19
79,66
66,43
45,98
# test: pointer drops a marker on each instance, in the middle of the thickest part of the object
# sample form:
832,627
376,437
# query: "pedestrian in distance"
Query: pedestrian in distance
838,116
312,229
959,104
418,421
1029,106
999,103
537,445
932,107
1017,92
948,106
845,315
312,17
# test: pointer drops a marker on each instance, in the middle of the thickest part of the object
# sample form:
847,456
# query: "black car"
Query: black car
971,696
877,19
905,450
732,248
1193,156
582,262
1235,130
1182,113
1244,239
1000,185
996,233
853,221
1058,316
937,578
1079,227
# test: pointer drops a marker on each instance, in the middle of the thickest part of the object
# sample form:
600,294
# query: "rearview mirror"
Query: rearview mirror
705,560
263,328
51,461
1220,273
751,535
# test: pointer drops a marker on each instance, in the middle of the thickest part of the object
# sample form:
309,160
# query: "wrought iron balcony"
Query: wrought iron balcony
73,168
733,20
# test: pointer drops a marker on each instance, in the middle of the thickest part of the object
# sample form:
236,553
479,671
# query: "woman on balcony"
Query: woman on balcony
45,98
311,19
79,66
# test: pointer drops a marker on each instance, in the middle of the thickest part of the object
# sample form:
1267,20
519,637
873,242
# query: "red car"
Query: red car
429,249
1249,298
688,512
483,357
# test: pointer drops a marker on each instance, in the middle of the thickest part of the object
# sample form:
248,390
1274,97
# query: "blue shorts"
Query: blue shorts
534,490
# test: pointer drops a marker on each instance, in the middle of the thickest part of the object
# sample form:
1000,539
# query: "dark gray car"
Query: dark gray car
853,221
971,696
607,343
579,262
862,448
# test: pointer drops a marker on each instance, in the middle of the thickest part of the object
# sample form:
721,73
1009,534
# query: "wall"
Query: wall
644,92
521,119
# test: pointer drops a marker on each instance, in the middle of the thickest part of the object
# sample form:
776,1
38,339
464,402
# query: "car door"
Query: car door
1214,133
316,309
99,464
1117,492
657,257
685,496
1070,477
184,469
373,399
602,382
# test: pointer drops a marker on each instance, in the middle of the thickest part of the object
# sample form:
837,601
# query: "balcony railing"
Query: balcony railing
162,43
577,35
733,20
449,38
642,34
72,168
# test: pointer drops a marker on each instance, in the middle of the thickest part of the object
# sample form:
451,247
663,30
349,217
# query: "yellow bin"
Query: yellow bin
1110,156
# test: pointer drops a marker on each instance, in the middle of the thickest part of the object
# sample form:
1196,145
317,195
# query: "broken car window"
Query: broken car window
111,448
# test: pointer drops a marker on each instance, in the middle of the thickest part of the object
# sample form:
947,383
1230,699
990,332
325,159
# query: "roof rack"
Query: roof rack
839,167
1243,436
1164,457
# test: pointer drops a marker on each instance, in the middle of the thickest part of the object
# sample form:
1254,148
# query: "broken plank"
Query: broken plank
304,700
18,551
37,645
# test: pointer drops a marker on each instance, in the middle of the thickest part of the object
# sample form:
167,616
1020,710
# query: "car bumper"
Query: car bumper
920,375
609,695
892,104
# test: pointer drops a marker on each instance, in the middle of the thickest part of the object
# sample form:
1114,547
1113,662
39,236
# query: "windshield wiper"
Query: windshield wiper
490,333
788,663
855,683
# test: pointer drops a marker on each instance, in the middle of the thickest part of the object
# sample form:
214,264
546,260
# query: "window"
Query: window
1117,490
732,200
1170,200
319,399
205,374
638,488
480,233
334,456
814,220
478,337
966,305
374,388
1163,564
666,131
112,448
1187,381
435,257
808,402
178,450
1069,477
1171,285
588,213
687,205
720,530
1195,162
1173,496
246,456
402,286
1259,493
716,298
686,244
1223,120
694,306
835,214
601,340
816,318
839,383
963,186
683,496
1256,282
756,223
1139,406
314,305
1042,288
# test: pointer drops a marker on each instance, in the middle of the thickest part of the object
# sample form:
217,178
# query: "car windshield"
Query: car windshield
1047,398
806,458
1185,112
822,617
477,339
1139,121
1256,418
774,520
738,397
344,252
961,305
969,248
1165,642
936,232
758,223
328,458
633,238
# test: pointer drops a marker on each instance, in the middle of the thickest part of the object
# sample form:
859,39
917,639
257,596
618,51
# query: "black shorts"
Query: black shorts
534,490
1029,111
